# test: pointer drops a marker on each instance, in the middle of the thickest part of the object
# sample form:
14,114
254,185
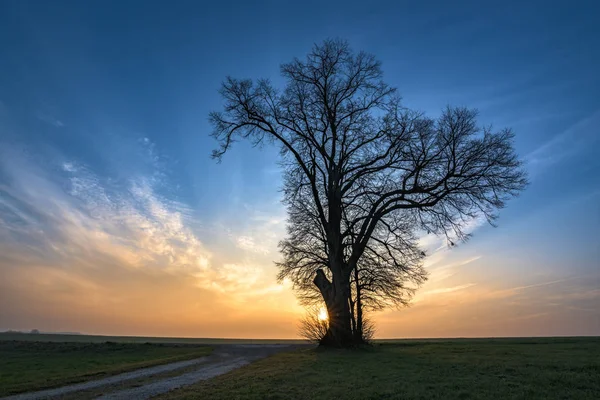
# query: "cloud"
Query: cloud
446,271
79,212
448,289
519,288
260,231
69,167
566,306
248,243
49,119
584,295
78,248
573,140
433,244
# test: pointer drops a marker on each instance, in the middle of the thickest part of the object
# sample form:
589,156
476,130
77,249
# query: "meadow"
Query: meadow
515,368
529,368
80,338
27,365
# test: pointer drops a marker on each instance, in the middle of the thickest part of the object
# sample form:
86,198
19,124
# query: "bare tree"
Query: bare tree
312,327
369,166
368,330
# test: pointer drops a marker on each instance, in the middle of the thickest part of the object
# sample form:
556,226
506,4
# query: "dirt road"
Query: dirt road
223,359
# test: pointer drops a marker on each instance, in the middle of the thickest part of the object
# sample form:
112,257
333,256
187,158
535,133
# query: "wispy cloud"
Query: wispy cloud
519,288
248,243
571,141
489,293
433,244
77,211
442,272
71,236
583,295
448,289
261,231
49,119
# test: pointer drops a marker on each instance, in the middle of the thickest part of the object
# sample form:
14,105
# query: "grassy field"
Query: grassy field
546,368
42,337
31,365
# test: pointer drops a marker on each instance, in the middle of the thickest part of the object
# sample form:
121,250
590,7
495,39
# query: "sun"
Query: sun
323,316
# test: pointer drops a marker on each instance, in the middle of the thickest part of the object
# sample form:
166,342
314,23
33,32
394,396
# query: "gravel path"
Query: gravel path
223,359
168,384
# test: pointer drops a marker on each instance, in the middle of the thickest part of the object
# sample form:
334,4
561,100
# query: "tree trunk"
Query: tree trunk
352,313
336,293
339,333
359,317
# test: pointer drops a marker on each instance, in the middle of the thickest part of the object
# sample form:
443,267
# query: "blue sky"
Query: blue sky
114,219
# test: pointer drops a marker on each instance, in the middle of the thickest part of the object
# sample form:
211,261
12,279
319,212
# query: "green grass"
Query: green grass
33,365
546,368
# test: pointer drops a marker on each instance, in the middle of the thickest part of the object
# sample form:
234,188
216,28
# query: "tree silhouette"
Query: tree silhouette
367,170
377,281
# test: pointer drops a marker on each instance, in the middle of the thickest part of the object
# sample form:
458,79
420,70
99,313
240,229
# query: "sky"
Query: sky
115,220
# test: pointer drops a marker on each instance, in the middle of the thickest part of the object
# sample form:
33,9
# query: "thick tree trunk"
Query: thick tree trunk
336,293
339,333
340,330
